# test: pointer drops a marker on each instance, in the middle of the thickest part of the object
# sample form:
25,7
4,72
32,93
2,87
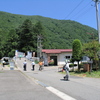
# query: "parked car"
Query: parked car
6,60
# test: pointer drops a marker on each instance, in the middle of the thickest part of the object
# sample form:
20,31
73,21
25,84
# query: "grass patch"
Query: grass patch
1,72
93,74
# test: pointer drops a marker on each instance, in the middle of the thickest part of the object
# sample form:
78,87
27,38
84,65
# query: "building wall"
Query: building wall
60,58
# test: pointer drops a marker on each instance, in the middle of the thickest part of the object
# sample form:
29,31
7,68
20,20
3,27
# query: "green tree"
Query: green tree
39,30
90,49
3,39
27,40
11,43
77,51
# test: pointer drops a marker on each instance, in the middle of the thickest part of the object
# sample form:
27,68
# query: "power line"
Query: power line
72,3
74,9
80,11
82,14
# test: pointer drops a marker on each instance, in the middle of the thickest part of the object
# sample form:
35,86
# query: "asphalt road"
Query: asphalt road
80,88
14,85
49,85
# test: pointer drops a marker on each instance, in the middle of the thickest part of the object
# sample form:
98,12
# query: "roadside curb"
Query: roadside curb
34,80
50,88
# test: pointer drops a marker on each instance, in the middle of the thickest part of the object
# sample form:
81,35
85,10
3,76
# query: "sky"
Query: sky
82,11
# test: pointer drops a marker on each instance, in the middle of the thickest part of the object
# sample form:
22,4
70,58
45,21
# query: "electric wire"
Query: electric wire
82,14
80,11
74,9
72,3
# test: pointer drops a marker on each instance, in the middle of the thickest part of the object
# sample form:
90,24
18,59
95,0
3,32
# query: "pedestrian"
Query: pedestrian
33,65
40,65
3,63
67,76
24,65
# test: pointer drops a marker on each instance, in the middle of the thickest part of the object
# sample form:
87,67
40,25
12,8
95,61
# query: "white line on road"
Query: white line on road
53,90
60,94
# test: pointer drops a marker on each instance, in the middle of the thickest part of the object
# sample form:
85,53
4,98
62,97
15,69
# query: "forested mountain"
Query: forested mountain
59,33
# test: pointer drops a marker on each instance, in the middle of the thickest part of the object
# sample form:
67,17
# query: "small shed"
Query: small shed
57,56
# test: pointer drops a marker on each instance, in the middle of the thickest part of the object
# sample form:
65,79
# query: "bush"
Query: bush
71,65
36,61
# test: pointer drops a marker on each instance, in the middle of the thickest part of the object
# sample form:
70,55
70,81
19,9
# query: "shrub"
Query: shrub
71,65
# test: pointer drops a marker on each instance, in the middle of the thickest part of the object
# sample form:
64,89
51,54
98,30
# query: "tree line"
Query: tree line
24,38
56,31
19,32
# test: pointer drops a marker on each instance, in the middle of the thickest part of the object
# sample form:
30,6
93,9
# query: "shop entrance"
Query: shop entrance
54,59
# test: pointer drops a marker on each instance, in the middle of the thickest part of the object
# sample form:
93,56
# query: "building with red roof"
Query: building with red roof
56,56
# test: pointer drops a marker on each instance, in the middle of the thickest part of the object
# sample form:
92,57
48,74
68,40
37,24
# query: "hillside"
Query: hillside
60,33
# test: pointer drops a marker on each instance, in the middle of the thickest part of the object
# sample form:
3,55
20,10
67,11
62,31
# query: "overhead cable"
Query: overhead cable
80,11
82,14
74,9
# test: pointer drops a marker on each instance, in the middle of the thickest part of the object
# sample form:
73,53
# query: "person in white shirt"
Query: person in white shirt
33,65
67,72
3,63
24,65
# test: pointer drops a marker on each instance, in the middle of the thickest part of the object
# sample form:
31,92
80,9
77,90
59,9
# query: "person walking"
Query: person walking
33,65
66,68
40,65
3,63
24,65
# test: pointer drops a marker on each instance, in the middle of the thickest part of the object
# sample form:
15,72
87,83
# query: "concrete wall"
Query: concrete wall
60,58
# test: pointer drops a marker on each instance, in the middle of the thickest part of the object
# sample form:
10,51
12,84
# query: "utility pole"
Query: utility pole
97,16
39,46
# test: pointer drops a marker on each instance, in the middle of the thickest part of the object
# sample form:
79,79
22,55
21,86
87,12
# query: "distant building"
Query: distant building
58,56
19,54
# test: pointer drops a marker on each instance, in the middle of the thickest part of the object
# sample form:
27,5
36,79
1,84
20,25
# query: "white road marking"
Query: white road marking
60,94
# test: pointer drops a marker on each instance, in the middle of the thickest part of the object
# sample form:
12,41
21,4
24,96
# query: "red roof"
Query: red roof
56,50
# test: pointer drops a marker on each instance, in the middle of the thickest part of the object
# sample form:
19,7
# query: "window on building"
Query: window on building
67,57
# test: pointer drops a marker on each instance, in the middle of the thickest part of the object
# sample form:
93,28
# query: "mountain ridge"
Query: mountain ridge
60,33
